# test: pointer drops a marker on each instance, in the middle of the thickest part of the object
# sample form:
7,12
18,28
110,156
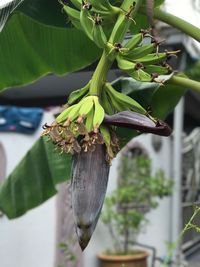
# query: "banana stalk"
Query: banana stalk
89,183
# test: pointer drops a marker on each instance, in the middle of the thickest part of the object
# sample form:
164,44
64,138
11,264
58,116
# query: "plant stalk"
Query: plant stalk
100,74
185,83
178,23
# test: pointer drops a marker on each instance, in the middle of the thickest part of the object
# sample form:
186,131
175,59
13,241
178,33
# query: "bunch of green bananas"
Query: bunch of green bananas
90,17
79,127
143,62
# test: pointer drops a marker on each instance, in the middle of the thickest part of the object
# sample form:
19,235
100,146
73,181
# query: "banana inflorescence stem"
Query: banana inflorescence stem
185,83
100,74
178,23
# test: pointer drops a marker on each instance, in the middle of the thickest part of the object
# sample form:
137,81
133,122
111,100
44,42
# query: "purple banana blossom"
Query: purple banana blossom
137,121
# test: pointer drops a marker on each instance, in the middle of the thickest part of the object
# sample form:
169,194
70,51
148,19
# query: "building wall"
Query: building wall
30,239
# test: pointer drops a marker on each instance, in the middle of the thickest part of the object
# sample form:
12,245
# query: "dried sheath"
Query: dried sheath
138,122
89,183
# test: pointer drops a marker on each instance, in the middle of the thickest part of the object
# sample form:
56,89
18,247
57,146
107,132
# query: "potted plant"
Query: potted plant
124,212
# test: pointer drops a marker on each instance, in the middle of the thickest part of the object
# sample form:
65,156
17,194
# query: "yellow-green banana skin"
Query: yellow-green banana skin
89,183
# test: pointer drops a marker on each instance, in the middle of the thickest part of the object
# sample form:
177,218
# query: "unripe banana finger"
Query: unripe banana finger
73,15
105,101
106,134
64,115
160,70
135,106
101,5
134,41
98,113
152,58
89,120
77,3
76,95
140,75
86,106
116,105
140,52
125,64
87,22
74,113
99,36
120,29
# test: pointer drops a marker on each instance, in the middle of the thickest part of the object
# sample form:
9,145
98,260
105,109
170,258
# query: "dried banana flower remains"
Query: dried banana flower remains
87,127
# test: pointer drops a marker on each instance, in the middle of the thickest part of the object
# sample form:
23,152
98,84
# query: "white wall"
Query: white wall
158,230
28,241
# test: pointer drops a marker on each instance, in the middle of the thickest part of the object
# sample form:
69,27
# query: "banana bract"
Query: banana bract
89,183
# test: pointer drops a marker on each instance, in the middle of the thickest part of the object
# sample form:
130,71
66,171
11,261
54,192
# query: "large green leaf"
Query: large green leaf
34,180
165,99
29,50
45,11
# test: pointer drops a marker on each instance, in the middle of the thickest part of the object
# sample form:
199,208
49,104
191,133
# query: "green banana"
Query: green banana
76,95
71,12
152,58
140,52
64,115
87,22
77,3
116,105
125,100
106,103
106,134
160,70
86,105
74,16
89,121
101,5
140,75
125,64
74,113
98,34
120,28
157,57
134,41
98,113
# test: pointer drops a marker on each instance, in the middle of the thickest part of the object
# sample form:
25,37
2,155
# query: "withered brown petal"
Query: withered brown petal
89,183
137,121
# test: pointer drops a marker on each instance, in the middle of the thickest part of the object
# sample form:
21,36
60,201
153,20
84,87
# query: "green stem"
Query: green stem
186,228
100,74
185,83
178,23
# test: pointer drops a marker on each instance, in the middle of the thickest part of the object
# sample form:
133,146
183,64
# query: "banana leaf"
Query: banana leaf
34,179
30,50
49,12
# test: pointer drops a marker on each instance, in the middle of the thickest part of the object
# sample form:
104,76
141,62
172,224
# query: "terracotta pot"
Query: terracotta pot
135,260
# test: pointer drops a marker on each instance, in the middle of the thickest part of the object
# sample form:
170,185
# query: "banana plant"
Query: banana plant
89,129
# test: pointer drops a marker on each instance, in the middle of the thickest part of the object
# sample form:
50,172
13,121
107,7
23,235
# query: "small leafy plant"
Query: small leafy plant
136,194
69,255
